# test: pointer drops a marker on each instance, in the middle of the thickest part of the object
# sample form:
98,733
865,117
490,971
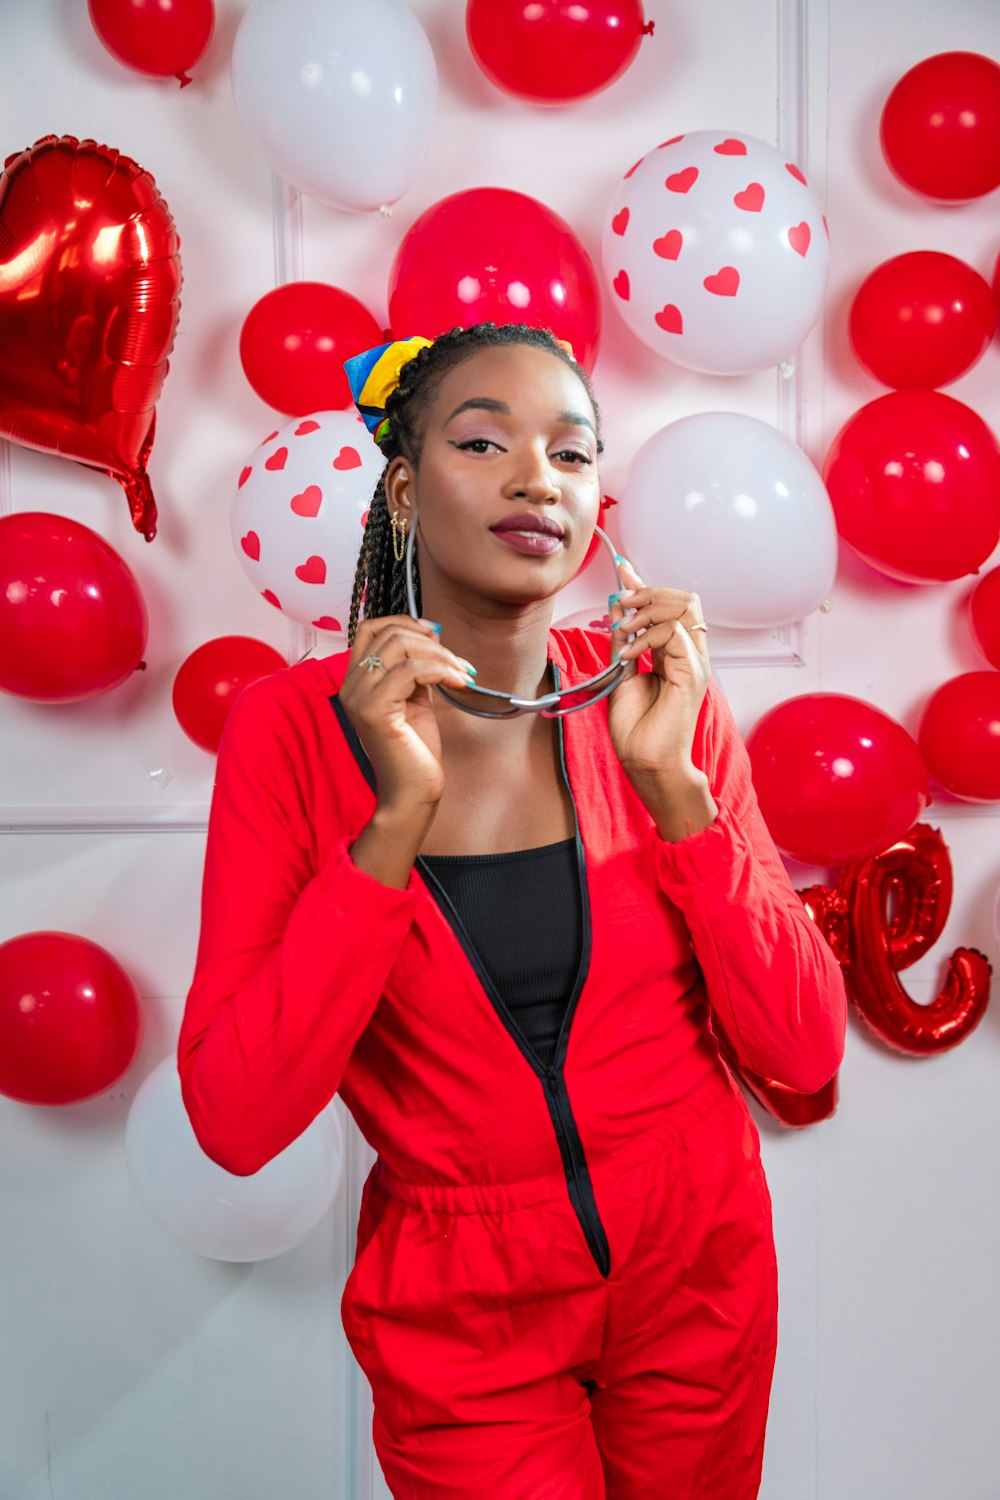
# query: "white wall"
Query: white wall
133,1367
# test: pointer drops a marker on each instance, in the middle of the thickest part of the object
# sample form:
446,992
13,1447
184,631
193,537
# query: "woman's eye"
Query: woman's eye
476,445
571,455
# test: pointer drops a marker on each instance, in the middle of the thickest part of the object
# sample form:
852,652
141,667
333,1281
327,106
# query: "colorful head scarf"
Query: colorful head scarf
374,375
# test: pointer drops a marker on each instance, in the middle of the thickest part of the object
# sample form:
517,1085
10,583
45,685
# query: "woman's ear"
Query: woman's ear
400,487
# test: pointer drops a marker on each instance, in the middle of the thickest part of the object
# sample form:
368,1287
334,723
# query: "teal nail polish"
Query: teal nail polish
474,671
613,599
471,680
434,626
619,559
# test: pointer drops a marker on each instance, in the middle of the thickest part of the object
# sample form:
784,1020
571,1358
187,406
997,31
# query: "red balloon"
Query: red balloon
554,51
940,127
72,619
211,679
913,877
162,39
922,320
89,281
70,1023
959,736
295,341
490,255
836,778
914,478
984,615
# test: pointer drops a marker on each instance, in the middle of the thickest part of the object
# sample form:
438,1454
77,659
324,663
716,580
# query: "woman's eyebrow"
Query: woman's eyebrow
576,419
487,403
483,403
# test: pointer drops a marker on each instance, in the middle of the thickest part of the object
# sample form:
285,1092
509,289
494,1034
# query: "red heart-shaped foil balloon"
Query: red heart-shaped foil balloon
89,282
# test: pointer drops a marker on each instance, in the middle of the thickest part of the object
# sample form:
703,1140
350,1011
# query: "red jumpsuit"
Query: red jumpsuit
565,1282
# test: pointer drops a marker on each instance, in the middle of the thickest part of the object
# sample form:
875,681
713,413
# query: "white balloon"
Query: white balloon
210,1210
298,515
723,506
339,96
715,253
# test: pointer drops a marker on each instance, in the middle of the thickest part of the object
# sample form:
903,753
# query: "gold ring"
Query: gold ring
699,627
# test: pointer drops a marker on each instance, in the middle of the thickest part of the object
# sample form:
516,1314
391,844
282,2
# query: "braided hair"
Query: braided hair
378,581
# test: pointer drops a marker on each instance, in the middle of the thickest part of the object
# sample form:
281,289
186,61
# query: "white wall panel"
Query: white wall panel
137,1368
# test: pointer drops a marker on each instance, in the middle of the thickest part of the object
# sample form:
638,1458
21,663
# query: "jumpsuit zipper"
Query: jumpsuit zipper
581,1192
551,1077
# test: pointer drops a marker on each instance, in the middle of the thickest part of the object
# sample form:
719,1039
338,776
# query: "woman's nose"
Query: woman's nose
533,477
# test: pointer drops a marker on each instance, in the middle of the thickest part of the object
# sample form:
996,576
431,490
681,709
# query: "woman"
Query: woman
506,943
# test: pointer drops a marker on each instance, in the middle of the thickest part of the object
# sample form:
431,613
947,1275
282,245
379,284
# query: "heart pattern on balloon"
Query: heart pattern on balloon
733,280
799,236
725,282
682,182
347,458
308,502
296,514
669,245
751,200
669,319
313,570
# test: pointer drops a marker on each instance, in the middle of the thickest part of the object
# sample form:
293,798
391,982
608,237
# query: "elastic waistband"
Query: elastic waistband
711,1094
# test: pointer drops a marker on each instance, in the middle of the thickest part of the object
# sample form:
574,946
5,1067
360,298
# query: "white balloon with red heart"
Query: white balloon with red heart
716,252
299,515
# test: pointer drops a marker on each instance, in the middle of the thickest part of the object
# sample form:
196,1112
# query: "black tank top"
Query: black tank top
522,914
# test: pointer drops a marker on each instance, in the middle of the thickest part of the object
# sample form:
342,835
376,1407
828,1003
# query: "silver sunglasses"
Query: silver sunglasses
551,705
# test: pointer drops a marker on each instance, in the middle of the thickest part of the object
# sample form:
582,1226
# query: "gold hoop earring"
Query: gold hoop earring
398,524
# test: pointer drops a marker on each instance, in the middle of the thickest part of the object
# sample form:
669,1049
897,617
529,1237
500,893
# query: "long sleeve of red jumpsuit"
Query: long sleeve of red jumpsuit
773,984
311,976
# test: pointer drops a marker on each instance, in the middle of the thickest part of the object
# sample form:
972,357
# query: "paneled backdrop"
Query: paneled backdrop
133,1367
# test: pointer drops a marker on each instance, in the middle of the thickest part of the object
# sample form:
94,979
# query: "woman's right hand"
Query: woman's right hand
392,709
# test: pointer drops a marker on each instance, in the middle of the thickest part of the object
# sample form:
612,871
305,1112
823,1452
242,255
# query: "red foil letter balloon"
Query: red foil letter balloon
883,914
89,282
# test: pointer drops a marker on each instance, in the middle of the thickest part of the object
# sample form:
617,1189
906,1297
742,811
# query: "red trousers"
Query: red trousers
504,1366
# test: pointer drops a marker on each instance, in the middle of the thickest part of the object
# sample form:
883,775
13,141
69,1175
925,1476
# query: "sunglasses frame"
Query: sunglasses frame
548,705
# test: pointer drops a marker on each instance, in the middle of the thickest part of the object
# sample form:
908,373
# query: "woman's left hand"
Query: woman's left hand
652,715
